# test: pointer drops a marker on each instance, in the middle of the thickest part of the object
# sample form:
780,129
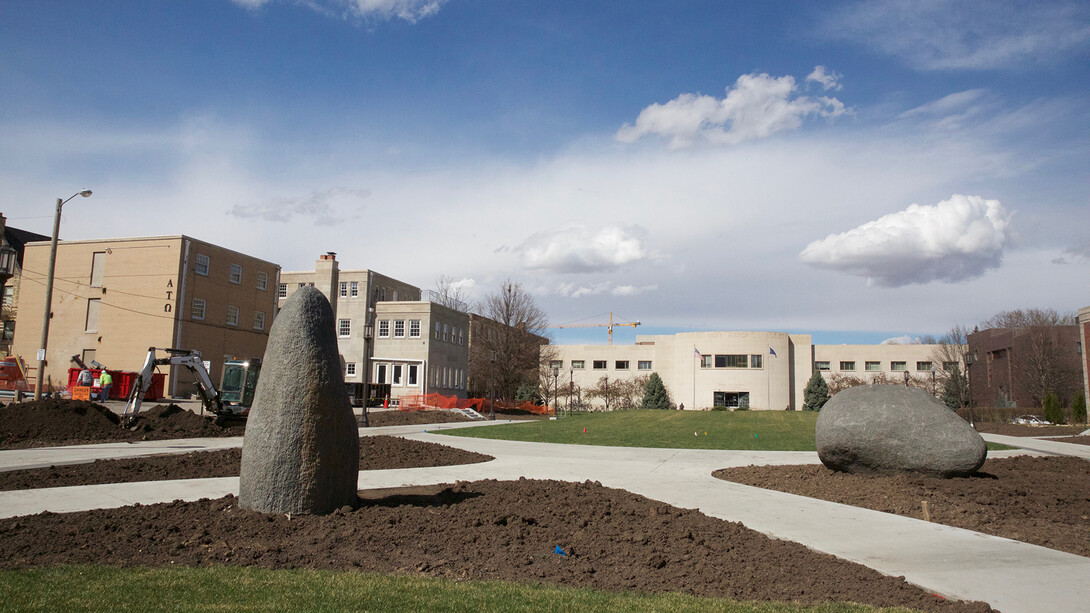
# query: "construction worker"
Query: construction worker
105,381
85,379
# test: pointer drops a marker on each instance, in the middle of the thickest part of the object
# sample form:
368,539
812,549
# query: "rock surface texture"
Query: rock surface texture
300,453
893,428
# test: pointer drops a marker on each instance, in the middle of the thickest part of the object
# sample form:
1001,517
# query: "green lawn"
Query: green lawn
745,430
226,588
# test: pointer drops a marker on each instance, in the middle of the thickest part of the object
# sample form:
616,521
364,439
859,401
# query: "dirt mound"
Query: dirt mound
76,422
1039,500
508,530
1027,430
379,419
376,453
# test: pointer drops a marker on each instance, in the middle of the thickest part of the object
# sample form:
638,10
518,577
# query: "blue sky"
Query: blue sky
857,170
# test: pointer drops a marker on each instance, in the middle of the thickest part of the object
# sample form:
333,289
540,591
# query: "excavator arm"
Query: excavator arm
176,357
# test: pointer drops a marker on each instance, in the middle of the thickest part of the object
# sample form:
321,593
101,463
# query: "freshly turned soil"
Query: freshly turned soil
75,422
486,530
379,419
376,453
1039,500
1027,430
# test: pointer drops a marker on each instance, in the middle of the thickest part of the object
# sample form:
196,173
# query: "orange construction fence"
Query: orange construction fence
423,402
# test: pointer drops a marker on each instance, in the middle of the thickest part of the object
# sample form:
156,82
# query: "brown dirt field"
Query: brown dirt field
76,422
376,453
379,419
1039,500
485,530
1026,430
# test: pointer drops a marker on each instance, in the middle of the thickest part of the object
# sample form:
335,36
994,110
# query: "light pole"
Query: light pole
556,387
571,387
49,291
969,384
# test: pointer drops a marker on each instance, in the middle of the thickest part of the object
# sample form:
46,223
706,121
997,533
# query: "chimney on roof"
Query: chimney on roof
330,255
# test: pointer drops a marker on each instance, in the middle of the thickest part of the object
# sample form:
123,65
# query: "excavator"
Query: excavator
239,379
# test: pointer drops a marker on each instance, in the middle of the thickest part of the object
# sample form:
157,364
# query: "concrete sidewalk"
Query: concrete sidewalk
1010,575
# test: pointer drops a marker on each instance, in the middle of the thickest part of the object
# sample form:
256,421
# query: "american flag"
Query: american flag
697,352
772,351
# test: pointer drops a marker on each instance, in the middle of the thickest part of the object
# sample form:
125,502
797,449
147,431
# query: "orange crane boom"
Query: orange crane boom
608,326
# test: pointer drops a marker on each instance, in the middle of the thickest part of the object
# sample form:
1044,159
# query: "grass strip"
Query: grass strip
232,588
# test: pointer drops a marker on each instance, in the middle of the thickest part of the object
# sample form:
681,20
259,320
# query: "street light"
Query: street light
556,387
969,383
49,290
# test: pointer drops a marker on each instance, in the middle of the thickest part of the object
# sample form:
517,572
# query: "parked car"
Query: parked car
1030,420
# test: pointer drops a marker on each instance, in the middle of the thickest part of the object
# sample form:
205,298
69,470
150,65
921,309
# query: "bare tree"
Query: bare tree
1043,366
1028,318
449,293
507,349
948,355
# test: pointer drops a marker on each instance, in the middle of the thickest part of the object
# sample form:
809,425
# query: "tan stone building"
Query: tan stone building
392,343
755,370
114,298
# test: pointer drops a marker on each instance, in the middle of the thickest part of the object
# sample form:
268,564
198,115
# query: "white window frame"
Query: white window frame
350,369
414,328
232,315
344,289
283,291
396,374
259,320
847,365
384,328
344,328
354,289
413,376
236,274
262,280
199,309
399,328
579,364
643,364
201,264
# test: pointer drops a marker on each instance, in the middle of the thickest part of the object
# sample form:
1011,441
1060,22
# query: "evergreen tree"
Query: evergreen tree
816,393
955,392
1078,409
1053,412
654,393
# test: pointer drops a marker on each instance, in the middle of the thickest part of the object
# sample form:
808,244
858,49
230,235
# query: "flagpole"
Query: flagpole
696,351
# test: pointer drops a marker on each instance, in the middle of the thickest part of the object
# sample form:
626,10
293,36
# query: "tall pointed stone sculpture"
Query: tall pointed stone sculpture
301,449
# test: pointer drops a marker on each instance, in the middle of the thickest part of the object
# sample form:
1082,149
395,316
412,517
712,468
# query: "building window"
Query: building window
705,361
399,328
93,306
438,330
556,364
755,360
354,289
201,265
731,400
872,366
461,336
9,295
236,274
949,366
259,320
262,281
732,361
578,364
821,365
302,285
394,296
621,364
199,307
283,290
923,365
344,328
898,365
414,328
396,378
380,373
446,332
847,365
98,260
643,364
344,289
9,332
599,364
350,369
384,328
414,371
232,315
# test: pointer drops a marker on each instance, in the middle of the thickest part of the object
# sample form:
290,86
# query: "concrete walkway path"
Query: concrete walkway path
1010,575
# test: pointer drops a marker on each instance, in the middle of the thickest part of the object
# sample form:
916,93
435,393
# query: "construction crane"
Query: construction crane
608,326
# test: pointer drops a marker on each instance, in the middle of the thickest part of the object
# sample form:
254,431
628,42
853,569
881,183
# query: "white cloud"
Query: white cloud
955,240
573,290
632,290
827,80
408,10
902,340
325,207
956,103
578,249
965,34
757,106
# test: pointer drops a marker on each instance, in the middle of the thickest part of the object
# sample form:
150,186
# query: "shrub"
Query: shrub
1052,409
1078,409
816,393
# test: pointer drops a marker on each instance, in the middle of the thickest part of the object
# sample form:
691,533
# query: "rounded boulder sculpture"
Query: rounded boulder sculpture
893,428
300,453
